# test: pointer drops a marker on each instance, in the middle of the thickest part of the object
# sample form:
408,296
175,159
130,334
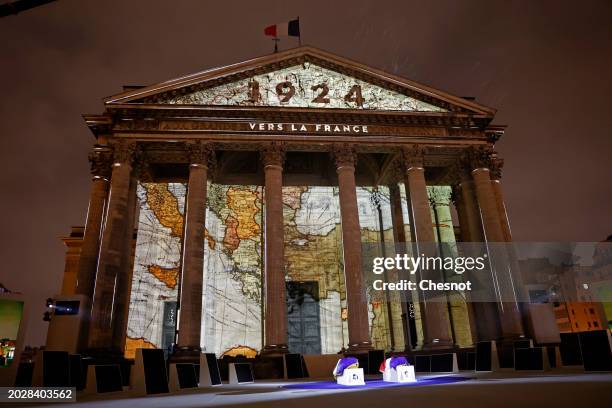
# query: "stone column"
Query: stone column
496,170
100,159
434,315
358,323
124,278
464,236
485,313
273,158
399,237
508,308
112,249
192,270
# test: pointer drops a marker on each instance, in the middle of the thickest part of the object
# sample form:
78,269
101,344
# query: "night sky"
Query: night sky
544,65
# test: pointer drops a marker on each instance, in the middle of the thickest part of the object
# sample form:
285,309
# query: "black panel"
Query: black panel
483,356
441,363
293,363
570,349
522,344
244,372
466,360
196,367
24,375
375,358
528,359
156,380
186,375
552,356
471,361
76,371
505,354
108,378
56,369
422,364
595,348
67,307
126,370
305,368
213,368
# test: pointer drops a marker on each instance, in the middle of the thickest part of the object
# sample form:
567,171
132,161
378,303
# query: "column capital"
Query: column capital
478,157
100,160
413,156
272,154
440,195
124,151
344,155
200,153
497,164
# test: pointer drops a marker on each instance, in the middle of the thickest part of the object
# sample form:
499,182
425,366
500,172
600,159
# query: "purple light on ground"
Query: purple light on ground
332,385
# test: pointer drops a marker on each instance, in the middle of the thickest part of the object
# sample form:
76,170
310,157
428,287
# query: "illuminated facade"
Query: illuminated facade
229,207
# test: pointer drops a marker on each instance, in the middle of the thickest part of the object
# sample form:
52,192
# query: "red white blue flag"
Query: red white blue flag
289,28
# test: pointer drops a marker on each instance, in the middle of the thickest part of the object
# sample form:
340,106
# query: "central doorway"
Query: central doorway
303,318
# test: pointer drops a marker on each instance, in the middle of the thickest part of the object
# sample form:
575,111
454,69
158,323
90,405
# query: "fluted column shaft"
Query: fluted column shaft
192,271
508,309
275,288
112,249
485,313
100,159
434,315
399,237
124,278
358,323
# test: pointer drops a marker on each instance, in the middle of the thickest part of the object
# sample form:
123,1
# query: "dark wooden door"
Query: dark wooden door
303,318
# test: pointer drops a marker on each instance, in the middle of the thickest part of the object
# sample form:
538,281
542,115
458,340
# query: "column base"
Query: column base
185,354
105,355
439,344
360,347
274,350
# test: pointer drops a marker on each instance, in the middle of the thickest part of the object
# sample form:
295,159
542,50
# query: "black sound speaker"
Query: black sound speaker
244,373
24,375
442,363
551,354
156,379
522,344
570,349
186,375
528,359
595,346
213,369
375,359
76,372
56,369
108,378
471,361
422,364
483,356
293,365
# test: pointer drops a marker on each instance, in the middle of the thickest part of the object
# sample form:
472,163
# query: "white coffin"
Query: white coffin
401,374
351,376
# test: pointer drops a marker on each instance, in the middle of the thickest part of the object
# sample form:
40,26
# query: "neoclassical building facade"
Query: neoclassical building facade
229,209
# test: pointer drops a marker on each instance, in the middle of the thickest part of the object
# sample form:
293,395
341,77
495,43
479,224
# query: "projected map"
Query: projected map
233,266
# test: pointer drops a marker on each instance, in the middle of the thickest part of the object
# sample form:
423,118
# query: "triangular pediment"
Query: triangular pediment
300,78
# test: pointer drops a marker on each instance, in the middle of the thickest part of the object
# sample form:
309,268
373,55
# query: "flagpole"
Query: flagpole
276,40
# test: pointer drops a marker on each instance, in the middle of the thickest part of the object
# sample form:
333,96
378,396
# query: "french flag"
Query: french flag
289,28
